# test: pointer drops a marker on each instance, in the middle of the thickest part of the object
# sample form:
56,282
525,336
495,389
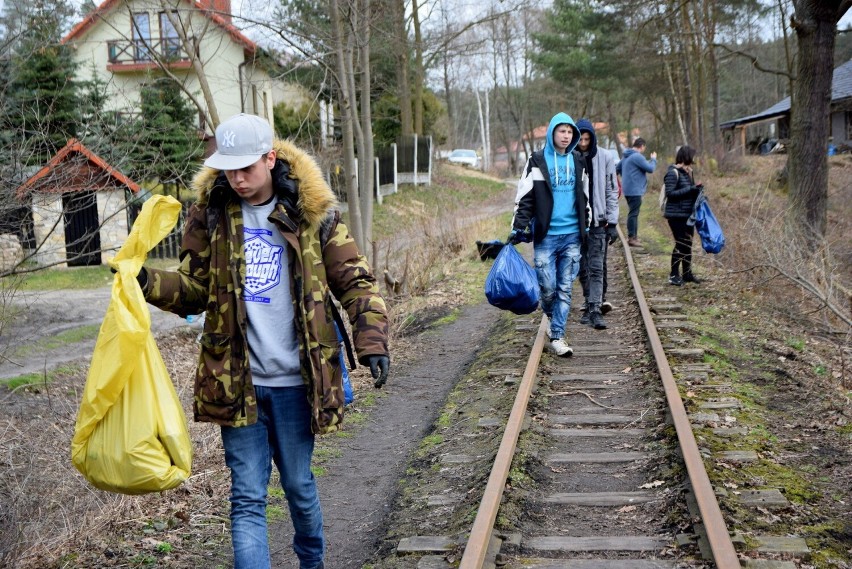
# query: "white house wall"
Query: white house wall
221,55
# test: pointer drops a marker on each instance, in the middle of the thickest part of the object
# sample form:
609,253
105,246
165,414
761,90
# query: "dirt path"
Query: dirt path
358,493
40,316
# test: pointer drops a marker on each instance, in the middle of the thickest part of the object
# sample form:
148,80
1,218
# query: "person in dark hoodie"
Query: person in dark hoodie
551,209
603,203
633,169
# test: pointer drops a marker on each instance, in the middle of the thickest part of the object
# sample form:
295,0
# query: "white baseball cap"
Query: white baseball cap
240,141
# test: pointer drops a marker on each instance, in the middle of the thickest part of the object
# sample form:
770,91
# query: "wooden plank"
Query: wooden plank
595,433
770,498
598,377
602,499
593,564
426,544
738,455
782,544
591,419
720,405
600,543
598,457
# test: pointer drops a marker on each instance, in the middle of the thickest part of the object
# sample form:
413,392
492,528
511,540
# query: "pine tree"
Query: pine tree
41,102
166,142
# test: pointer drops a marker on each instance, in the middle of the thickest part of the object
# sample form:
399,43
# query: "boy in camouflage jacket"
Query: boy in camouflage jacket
301,239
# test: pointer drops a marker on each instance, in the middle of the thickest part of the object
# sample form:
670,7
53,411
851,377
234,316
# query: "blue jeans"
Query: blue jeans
593,266
557,262
634,203
281,434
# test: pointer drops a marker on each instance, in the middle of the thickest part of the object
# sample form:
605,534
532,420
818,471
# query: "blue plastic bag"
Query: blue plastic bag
348,395
712,238
512,284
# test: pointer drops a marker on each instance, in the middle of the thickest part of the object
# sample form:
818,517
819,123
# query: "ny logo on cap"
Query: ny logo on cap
228,139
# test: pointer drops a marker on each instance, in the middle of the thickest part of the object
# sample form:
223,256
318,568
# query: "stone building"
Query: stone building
79,208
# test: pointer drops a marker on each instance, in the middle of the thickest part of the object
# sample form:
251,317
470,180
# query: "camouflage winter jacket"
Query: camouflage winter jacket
212,274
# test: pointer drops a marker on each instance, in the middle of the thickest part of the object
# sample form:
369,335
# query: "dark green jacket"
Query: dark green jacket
212,274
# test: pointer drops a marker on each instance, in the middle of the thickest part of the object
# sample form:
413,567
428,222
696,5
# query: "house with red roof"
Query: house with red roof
128,43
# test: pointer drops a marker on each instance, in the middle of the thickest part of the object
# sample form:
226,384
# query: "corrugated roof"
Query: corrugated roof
841,88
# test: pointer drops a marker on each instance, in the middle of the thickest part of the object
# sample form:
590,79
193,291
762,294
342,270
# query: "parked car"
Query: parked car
464,157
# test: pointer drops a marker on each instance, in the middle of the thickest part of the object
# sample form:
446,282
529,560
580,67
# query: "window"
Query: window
142,36
169,39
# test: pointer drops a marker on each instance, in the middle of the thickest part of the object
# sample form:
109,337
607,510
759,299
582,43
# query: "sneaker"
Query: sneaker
633,242
584,319
675,280
560,348
690,278
596,320
606,307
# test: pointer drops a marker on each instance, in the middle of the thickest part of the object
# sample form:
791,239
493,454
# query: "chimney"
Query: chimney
220,7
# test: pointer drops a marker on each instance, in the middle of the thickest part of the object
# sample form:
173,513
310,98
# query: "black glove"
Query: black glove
141,277
612,233
517,236
379,368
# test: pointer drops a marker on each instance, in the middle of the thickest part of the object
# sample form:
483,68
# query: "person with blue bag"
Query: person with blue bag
551,210
681,195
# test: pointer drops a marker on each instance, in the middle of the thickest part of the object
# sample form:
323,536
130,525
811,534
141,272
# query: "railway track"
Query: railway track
594,466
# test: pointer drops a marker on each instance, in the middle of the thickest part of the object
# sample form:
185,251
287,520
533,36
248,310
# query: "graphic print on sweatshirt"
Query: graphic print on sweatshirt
263,264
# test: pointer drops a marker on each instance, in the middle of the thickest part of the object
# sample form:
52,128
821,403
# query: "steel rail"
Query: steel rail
721,545
480,533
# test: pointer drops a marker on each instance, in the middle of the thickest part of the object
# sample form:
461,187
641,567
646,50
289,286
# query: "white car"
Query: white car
464,157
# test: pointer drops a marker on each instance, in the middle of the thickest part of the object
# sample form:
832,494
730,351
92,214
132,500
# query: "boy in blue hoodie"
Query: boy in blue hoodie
551,209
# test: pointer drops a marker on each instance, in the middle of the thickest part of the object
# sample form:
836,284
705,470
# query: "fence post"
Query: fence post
415,159
395,170
378,182
429,180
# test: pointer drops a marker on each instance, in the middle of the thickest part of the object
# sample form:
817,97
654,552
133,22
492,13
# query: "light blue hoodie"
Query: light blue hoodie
560,167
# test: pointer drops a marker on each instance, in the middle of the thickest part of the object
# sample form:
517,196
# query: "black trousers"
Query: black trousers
682,252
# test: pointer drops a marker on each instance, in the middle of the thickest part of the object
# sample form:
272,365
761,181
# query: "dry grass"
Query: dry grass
52,517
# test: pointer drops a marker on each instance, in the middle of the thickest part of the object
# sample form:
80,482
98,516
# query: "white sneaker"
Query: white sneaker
560,348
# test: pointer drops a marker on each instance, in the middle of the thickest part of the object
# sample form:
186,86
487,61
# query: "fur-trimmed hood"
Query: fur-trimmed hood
299,170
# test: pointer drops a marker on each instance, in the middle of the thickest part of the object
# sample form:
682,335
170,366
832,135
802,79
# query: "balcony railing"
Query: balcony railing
123,52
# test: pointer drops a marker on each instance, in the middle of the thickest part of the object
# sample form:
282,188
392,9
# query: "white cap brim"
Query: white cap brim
230,162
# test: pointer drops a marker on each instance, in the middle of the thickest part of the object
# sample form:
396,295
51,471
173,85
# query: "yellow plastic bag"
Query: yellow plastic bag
131,434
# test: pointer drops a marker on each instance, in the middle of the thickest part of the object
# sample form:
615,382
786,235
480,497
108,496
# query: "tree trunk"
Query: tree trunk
419,72
402,68
345,101
815,24
366,131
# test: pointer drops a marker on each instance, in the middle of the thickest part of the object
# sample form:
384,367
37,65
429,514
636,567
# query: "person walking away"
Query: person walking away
551,208
681,193
263,252
633,169
603,204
